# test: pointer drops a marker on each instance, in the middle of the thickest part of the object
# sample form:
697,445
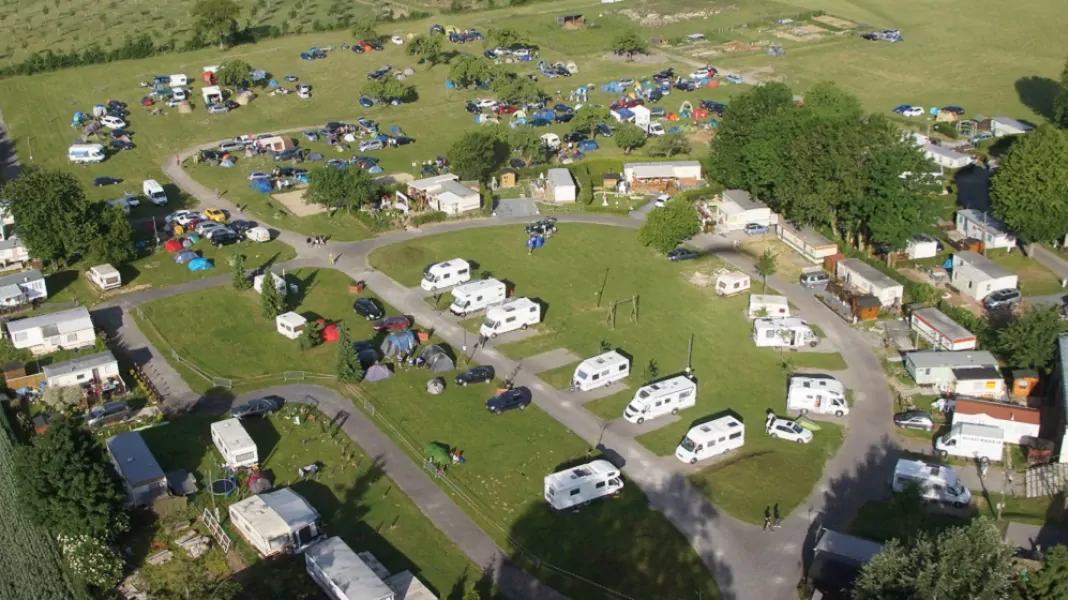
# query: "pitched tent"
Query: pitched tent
437,360
435,386
185,257
262,184
367,357
378,373
174,245
588,146
399,343
200,264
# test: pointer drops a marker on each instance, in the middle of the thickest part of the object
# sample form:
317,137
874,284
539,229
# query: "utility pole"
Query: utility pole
689,357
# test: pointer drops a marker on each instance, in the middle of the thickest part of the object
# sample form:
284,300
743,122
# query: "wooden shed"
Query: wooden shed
830,263
571,21
866,308
1024,384
610,181
508,178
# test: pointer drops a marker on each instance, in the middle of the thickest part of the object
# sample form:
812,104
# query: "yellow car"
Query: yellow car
214,214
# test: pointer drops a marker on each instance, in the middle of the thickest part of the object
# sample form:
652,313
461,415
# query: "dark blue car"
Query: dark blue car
515,398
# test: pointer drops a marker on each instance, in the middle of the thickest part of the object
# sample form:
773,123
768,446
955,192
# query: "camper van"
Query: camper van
763,306
477,295
234,444
154,192
517,313
582,484
937,483
600,371
716,437
818,382
439,276
817,401
661,398
791,332
84,154
970,440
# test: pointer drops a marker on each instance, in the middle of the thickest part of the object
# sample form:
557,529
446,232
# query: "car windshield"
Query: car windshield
795,428
490,323
581,375
463,304
430,278
688,445
956,490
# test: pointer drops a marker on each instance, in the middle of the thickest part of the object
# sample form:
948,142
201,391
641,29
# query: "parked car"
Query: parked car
368,145
915,419
480,374
472,108
289,154
735,78
540,122
232,105
517,398
902,108
814,279
1002,299
377,47
756,229
379,73
311,136
217,109
397,323
713,106
603,130
788,430
668,73
215,214
220,238
113,122
486,103
685,85
259,407
240,226
369,308
107,414
121,145
258,175
575,137
625,82
954,109
398,40
913,111
682,254
366,102
661,200
982,135
204,226
102,181
505,109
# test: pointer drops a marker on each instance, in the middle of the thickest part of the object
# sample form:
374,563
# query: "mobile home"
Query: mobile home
790,332
83,154
441,275
477,295
517,313
866,279
277,522
600,371
582,484
341,573
837,561
141,474
711,439
1015,421
936,369
22,288
731,283
937,483
968,440
661,398
982,226
764,306
941,331
64,330
234,444
976,276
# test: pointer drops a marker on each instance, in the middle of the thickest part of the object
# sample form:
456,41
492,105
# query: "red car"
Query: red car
398,323
505,109
367,47
632,102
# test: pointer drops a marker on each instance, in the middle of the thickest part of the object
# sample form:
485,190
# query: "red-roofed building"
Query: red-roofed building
1015,420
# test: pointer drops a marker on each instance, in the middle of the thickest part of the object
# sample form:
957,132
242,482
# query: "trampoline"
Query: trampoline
223,487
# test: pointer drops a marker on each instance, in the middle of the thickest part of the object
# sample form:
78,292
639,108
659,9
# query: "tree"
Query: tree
349,368
588,116
469,70
766,266
238,273
931,566
1029,341
581,173
669,144
54,218
113,244
388,88
364,29
628,137
426,46
349,189
506,37
310,337
217,20
1051,581
234,73
196,582
477,155
272,300
1060,102
513,89
666,227
62,397
1029,189
628,43
67,484
526,142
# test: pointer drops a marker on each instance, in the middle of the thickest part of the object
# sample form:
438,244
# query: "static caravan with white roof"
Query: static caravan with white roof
941,331
64,330
716,437
561,186
738,208
235,444
976,276
866,279
600,371
582,484
341,573
661,398
276,522
765,305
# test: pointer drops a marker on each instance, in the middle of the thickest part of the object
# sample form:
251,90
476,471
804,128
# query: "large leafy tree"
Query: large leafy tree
1029,341
514,89
628,136
666,227
930,566
1029,191
427,47
350,188
670,144
216,20
629,42
364,29
234,73
68,485
506,37
477,155
272,300
114,241
52,215
388,88
588,116
469,70
1060,102
349,369
1051,581
526,143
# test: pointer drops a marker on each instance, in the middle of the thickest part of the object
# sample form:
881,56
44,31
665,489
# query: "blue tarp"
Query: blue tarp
193,238
261,184
185,257
625,113
200,264
588,146
536,241
302,177
948,265
450,84
273,83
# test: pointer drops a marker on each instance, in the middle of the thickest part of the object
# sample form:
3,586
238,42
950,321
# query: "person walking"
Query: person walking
767,519
777,523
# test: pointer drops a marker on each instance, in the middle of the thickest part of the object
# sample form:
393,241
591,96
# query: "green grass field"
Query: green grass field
734,375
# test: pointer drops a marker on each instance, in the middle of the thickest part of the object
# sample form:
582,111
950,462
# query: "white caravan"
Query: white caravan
661,398
154,192
970,440
729,283
600,371
791,332
517,313
234,443
476,295
716,437
84,154
935,482
582,484
821,395
445,274
763,306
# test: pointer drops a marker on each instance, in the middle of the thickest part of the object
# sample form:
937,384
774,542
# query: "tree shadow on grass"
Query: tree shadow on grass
1038,94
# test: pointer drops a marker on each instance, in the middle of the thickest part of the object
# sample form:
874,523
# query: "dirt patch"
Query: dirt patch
294,202
702,136
738,46
835,22
791,37
393,178
124,290
790,264
812,29
654,58
658,20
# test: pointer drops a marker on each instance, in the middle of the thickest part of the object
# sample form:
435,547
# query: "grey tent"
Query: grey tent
435,386
399,343
378,373
437,360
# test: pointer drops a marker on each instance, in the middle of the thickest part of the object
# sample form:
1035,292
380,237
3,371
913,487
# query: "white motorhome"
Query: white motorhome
819,401
935,482
441,275
791,332
661,398
767,306
477,295
716,437
582,484
818,382
154,192
234,444
517,313
84,154
600,371
970,440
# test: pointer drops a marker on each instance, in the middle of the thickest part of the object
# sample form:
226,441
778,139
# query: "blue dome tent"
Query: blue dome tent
262,184
185,257
200,264
588,146
450,84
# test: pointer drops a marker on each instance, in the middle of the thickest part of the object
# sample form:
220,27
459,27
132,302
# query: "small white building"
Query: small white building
445,193
290,324
13,253
141,475
105,277
983,382
1002,126
921,246
64,330
806,241
22,288
941,331
976,276
234,444
342,575
936,369
985,228
738,208
99,369
945,157
766,305
561,186
866,279
276,522
660,176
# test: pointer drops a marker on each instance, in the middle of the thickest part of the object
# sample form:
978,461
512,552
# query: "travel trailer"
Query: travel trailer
818,394
600,371
969,440
710,439
938,483
84,154
234,444
661,398
791,332
583,484
477,295
763,306
441,275
517,313
730,283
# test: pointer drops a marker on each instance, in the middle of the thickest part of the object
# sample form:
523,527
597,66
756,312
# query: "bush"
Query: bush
423,218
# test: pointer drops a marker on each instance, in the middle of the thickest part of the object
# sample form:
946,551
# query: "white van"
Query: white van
86,153
154,192
582,484
938,483
517,313
445,274
179,94
818,401
790,333
716,437
765,305
476,295
600,371
234,443
661,398
970,440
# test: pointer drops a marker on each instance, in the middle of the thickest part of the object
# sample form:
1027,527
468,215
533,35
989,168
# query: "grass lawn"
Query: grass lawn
879,521
1035,278
830,361
566,274
560,377
611,407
